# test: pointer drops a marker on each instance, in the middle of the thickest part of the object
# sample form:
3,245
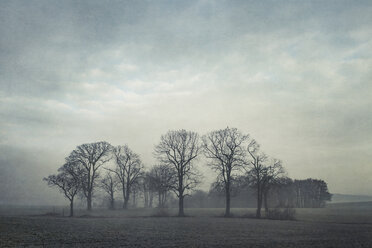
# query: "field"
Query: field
338,225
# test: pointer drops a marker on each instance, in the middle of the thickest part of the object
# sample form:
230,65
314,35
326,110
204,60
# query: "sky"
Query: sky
294,75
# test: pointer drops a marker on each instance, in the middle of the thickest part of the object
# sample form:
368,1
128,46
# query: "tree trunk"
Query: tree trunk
89,189
180,207
265,202
180,197
126,198
159,205
259,201
72,207
112,202
134,199
151,196
146,198
227,210
89,201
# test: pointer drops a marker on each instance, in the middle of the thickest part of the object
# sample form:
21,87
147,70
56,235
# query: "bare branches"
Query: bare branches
128,169
110,185
68,181
273,172
162,179
225,149
179,149
262,174
227,154
90,157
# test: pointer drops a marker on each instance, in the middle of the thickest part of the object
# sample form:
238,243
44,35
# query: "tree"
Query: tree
199,199
179,149
135,190
148,191
225,150
311,193
109,184
256,173
283,193
128,169
308,193
271,176
238,190
90,157
68,180
162,178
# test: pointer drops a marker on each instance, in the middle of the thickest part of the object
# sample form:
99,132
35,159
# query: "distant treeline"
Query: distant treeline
245,176
309,193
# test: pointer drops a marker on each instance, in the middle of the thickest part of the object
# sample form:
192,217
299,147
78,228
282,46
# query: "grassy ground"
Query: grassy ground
333,226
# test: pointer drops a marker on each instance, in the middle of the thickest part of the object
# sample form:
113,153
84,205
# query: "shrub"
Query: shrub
52,214
161,212
284,214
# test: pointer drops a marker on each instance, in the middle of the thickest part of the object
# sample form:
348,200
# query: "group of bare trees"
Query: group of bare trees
227,153
311,193
82,171
128,170
237,159
161,179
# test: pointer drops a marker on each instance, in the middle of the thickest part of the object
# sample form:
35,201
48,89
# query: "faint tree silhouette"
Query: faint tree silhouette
272,175
162,178
110,185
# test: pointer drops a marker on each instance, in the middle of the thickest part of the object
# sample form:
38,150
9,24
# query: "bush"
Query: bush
161,212
284,214
51,214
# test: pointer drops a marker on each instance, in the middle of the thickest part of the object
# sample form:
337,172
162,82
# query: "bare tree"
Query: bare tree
271,176
162,179
110,184
68,180
256,172
179,149
90,157
148,191
283,192
225,148
136,190
128,169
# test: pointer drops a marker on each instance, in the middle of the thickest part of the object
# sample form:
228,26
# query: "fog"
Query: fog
296,76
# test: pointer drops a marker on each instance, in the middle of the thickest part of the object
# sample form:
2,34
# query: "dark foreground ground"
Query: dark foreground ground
201,230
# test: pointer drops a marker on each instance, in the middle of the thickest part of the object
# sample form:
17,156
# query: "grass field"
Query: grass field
338,225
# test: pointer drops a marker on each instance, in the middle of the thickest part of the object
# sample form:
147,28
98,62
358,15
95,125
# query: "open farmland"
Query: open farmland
328,227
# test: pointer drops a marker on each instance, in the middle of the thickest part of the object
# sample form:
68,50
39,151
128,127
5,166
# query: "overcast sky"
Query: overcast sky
295,75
